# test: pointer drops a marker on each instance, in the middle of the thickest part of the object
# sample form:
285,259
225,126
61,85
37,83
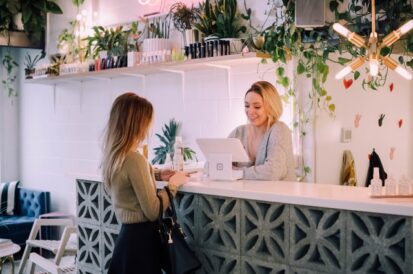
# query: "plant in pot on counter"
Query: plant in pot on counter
169,132
30,63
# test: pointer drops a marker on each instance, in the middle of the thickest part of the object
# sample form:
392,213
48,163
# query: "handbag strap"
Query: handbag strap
160,209
171,204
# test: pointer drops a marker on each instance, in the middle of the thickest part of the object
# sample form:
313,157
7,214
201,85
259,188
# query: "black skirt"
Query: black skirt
137,250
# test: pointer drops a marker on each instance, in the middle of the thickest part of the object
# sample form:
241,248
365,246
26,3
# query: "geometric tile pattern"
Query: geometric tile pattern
88,201
317,238
243,236
254,266
379,243
264,231
89,246
185,205
218,262
219,224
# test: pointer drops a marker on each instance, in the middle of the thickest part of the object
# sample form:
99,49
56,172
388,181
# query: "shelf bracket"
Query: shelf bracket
183,82
229,78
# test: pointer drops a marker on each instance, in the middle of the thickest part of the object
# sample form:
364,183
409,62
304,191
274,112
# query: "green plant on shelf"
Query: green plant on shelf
30,63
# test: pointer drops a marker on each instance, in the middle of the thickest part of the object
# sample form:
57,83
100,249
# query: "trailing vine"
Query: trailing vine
10,66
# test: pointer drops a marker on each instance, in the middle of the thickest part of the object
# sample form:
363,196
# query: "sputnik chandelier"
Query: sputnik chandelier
373,48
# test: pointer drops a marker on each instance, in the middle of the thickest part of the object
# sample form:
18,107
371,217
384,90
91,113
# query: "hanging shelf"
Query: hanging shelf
147,69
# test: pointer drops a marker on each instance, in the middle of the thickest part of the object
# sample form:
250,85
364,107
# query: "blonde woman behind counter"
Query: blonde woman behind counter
131,183
266,139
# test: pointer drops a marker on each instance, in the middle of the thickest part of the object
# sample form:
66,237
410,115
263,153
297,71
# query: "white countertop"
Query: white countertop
318,195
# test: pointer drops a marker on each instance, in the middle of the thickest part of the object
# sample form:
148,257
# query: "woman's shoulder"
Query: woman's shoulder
238,131
280,126
133,158
280,129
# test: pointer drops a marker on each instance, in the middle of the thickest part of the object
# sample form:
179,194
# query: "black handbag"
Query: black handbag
176,255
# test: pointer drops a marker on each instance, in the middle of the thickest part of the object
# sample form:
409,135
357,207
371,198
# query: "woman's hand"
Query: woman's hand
166,174
178,179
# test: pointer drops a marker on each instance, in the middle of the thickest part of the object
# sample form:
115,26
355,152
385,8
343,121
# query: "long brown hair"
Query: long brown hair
271,100
128,125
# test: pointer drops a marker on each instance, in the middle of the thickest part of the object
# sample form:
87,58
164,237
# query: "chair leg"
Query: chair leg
32,267
24,259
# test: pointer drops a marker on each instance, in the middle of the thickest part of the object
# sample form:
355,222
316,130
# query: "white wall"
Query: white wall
9,127
370,104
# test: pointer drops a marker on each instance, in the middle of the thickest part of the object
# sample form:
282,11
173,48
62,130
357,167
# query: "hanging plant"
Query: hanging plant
8,81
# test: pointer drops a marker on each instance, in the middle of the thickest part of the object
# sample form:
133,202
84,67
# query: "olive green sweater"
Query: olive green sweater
133,191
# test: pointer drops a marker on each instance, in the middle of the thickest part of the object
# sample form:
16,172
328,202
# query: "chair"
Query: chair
51,245
54,266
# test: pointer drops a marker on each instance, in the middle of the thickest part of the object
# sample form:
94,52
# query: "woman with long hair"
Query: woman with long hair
267,140
130,181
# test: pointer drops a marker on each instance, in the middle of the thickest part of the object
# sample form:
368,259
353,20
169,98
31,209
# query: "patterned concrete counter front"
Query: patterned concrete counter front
248,235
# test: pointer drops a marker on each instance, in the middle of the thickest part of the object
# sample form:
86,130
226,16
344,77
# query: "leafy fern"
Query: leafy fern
169,132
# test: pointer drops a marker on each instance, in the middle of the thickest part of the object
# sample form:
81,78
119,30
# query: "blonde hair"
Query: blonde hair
271,100
129,122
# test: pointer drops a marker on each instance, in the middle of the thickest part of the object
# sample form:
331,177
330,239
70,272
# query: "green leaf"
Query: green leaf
332,107
343,60
53,8
385,51
401,60
280,71
77,3
333,6
300,68
356,75
285,82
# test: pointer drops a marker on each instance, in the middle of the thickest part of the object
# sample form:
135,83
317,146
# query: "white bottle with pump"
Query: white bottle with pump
375,183
390,186
178,154
404,186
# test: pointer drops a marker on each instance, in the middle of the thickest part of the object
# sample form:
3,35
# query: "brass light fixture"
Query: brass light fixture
373,48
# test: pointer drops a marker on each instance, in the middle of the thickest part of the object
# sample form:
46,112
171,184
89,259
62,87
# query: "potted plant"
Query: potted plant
111,44
34,16
183,17
206,19
169,133
157,33
30,63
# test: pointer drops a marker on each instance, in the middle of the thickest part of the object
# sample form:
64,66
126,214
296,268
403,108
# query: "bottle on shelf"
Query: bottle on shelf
375,183
178,154
390,186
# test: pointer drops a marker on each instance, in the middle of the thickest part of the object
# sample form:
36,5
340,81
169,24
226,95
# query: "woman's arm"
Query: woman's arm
142,180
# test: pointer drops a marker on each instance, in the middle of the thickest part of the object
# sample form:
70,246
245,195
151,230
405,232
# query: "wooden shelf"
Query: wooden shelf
147,69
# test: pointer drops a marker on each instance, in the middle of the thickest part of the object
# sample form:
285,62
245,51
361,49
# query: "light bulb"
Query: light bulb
341,29
374,67
354,65
403,72
393,65
406,27
351,36
395,35
343,72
